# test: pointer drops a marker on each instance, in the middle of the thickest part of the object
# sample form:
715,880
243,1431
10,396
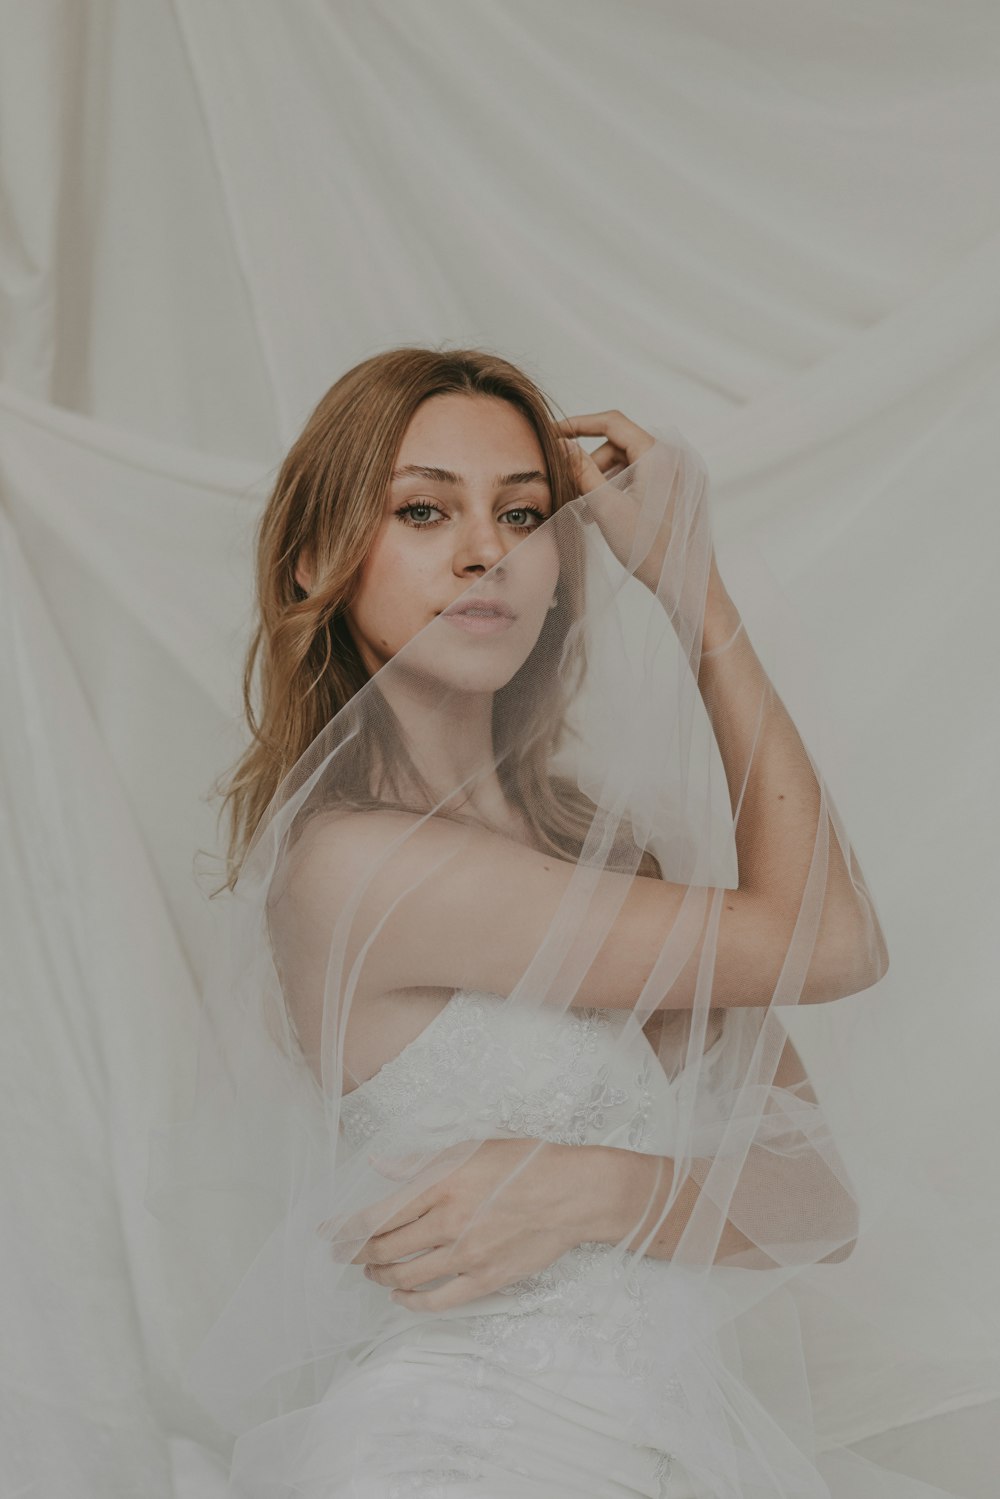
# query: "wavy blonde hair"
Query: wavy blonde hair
303,665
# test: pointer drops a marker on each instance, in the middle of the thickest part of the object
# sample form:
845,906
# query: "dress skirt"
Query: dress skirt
429,1415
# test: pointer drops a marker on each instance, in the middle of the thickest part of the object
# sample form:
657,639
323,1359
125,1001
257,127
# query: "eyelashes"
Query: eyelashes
423,525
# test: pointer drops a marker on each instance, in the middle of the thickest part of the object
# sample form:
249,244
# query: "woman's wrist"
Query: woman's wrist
722,618
618,1193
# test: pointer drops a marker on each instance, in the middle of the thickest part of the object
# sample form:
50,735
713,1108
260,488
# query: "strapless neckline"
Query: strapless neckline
527,1068
396,1068
403,1056
424,1037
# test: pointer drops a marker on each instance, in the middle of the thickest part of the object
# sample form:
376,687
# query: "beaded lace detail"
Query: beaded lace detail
458,1068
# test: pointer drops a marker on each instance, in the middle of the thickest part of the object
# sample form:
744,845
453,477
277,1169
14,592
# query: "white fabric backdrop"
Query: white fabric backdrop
786,218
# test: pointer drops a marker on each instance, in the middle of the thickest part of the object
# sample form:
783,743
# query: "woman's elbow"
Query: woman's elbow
868,948
844,1225
858,963
871,961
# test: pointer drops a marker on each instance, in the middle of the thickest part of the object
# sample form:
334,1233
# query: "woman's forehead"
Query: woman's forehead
475,437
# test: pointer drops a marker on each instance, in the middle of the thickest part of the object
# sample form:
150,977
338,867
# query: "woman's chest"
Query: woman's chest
379,1027
485,1066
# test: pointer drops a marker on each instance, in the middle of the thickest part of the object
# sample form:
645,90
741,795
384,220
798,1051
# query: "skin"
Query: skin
562,1195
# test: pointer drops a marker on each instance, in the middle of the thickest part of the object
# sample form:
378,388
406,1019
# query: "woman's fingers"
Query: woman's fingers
604,458
607,456
454,1292
612,424
586,474
627,436
383,1216
383,1248
379,1218
406,1275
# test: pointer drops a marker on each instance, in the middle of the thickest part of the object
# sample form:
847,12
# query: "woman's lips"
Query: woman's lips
480,623
480,616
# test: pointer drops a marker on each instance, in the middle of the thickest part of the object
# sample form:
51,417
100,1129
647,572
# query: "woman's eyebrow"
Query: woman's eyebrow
445,475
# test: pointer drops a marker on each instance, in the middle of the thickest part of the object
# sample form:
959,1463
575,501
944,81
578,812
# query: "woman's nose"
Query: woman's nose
482,548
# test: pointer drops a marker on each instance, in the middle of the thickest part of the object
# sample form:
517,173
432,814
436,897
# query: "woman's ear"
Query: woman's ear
304,569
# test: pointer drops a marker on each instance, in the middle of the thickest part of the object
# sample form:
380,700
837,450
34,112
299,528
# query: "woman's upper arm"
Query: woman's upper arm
438,903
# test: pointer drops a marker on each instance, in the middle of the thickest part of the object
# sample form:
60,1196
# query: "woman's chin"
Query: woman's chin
469,660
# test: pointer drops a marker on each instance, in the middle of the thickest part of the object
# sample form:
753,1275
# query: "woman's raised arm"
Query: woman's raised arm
433,903
428,902
789,856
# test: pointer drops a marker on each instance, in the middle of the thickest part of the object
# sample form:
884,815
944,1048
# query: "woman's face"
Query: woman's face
469,484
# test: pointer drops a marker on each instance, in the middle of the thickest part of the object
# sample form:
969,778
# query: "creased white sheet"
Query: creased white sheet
210,210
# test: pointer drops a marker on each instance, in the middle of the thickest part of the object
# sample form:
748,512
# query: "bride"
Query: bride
526,859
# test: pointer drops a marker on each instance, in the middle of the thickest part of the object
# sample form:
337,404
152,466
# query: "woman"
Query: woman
497,937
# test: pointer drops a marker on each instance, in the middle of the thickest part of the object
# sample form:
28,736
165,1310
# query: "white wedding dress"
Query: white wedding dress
525,1393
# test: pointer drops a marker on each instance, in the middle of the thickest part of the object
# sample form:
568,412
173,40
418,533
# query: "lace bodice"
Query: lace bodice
485,1068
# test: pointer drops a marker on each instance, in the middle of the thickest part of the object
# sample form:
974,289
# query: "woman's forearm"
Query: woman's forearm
777,800
630,1190
644,1188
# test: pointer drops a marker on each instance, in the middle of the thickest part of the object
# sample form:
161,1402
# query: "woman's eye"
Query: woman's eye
405,514
409,515
528,510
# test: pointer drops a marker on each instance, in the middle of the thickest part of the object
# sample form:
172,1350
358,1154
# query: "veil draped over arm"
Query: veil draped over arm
597,910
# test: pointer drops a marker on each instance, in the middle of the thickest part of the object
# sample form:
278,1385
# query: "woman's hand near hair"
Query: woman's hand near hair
624,444
622,512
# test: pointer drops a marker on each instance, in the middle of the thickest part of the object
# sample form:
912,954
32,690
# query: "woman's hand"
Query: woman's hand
624,444
634,514
564,1196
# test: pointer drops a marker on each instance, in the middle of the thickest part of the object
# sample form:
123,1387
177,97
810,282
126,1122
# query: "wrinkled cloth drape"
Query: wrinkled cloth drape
809,290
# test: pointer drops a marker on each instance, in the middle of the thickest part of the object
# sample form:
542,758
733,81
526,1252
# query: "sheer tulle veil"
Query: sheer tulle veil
602,740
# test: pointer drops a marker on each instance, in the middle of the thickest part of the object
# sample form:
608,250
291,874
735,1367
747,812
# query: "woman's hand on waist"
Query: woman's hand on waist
562,1196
